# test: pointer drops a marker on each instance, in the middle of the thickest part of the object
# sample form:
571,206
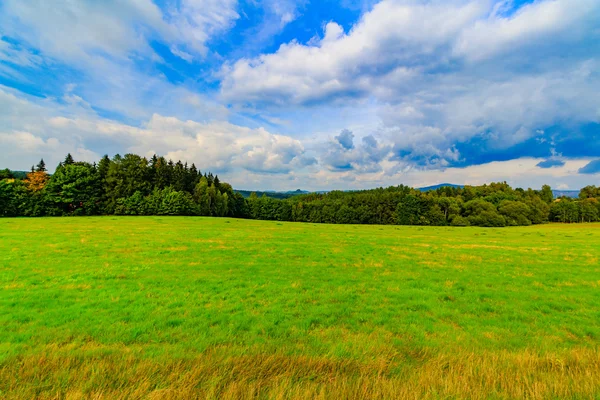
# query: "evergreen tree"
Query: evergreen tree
162,175
68,159
179,177
41,167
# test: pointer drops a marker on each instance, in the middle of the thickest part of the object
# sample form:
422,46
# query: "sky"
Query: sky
317,95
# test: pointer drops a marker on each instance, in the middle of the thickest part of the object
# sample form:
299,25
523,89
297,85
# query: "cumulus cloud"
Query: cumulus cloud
50,131
455,82
395,43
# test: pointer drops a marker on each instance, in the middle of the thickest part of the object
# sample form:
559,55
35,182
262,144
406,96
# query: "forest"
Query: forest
133,185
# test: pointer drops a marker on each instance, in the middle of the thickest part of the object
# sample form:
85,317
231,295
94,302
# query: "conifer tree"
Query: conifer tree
41,167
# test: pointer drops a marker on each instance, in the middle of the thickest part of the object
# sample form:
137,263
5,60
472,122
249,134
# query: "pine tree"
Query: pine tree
162,176
41,167
68,159
194,178
103,166
179,177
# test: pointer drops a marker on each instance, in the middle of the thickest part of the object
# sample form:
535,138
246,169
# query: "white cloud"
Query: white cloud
196,21
50,130
101,45
442,73
73,31
247,158
77,31
385,40
397,42
416,81
533,23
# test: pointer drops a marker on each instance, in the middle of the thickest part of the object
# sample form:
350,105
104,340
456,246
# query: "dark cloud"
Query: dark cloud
346,139
342,155
550,163
592,168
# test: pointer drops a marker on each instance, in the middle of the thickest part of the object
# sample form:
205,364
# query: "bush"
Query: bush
460,221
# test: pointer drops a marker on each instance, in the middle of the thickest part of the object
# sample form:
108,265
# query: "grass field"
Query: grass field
157,308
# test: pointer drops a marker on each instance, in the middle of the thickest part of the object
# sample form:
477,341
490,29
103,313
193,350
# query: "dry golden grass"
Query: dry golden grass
500,375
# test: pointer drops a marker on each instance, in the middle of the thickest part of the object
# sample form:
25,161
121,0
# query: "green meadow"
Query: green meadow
194,307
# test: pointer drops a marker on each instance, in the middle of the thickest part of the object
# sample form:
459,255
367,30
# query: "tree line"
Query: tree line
134,185
123,185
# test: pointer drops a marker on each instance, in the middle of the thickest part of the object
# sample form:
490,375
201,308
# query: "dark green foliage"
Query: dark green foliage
515,212
589,192
134,185
589,210
41,167
411,210
274,195
564,210
10,198
68,159
459,221
173,202
128,185
74,189
546,194
480,212
6,174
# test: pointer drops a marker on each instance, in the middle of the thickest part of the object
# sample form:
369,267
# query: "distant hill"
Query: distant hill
441,185
566,193
15,174
19,174
273,194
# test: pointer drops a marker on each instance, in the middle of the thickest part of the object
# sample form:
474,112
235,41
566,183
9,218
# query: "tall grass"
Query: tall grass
461,374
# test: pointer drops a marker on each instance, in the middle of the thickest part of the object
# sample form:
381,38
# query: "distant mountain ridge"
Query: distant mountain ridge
441,185
566,193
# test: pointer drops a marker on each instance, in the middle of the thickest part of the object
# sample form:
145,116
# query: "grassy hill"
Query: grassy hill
159,307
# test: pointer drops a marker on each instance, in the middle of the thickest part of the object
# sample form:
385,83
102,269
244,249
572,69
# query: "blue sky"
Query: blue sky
309,94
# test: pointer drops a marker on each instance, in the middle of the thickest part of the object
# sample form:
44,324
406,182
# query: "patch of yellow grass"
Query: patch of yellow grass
177,248
460,374
14,285
75,286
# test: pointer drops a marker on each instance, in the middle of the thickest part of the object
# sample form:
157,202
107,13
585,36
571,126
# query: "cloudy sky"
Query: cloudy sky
328,94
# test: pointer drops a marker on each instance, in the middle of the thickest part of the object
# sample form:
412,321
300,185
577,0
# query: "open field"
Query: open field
151,307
